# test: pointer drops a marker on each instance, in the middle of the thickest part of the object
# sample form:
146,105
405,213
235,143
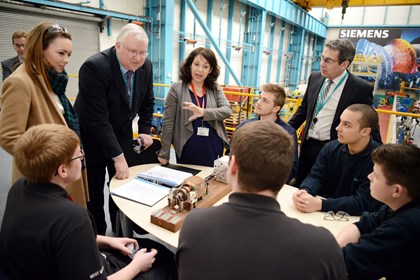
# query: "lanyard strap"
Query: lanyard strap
320,104
203,105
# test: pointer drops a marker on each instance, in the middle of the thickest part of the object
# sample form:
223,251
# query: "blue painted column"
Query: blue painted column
308,50
182,25
252,59
229,37
296,48
161,40
209,19
280,54
270,48
316,61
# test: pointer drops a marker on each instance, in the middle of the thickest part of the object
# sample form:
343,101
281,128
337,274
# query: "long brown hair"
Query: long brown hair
39,38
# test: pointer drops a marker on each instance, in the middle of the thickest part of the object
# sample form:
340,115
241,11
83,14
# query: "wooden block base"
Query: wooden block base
172,220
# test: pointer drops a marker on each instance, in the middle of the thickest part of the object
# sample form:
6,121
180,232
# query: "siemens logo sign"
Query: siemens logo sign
364,33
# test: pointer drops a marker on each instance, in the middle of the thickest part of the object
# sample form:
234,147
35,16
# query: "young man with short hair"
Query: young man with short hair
45,235
249,237
10,65
268,106
341,169
386,243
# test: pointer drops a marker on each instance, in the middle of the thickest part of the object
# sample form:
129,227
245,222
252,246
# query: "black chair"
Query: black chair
135,155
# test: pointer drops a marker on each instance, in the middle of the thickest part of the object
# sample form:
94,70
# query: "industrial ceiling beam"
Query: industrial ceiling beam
356,3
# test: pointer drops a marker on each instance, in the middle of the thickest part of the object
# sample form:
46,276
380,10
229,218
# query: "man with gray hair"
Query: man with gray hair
329,92
115,86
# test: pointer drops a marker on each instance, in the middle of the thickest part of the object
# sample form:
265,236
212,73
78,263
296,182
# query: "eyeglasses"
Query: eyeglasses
81,157
56,27
135,53
18,46
339,216
328,60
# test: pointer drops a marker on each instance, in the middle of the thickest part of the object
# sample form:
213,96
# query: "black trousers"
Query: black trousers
164,267
309,151
96,179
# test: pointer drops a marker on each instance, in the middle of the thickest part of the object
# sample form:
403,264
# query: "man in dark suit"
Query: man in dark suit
329,92
10,65
115,86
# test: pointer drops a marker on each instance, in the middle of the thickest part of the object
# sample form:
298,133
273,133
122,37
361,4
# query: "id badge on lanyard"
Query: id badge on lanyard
201,130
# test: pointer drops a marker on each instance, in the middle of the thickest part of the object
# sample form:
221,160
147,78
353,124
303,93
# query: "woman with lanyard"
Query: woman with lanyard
195,108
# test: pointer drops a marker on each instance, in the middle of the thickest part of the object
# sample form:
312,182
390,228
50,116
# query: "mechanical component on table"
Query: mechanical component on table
186,196
220,167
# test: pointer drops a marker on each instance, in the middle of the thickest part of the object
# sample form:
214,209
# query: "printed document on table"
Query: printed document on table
165,176
141,191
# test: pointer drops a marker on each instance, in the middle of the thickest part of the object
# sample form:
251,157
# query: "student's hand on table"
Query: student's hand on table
121,168
144,260
145,140
312,203
305,202
297,198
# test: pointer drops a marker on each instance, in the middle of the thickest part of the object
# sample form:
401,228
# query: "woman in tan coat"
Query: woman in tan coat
35,94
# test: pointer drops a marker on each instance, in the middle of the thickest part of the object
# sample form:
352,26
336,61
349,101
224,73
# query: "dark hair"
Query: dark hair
369,117
400,164
345,48
17,35
208,54
278,91
264,153
39,38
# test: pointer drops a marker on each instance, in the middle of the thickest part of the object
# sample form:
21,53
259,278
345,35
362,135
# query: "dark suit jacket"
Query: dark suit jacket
9,65
355,91
102,103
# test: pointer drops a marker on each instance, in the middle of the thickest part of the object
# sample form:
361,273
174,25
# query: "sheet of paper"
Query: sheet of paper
141,191
165,176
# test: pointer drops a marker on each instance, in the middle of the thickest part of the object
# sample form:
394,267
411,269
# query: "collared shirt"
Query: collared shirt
325,117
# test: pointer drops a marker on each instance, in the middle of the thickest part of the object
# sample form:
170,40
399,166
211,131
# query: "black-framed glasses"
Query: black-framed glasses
56,27
339,216
328,60
81,157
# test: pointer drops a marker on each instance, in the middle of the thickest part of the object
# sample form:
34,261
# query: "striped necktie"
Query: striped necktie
128,75
326,90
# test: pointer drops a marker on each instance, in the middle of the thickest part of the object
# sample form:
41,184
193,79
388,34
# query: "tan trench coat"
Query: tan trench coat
22,106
